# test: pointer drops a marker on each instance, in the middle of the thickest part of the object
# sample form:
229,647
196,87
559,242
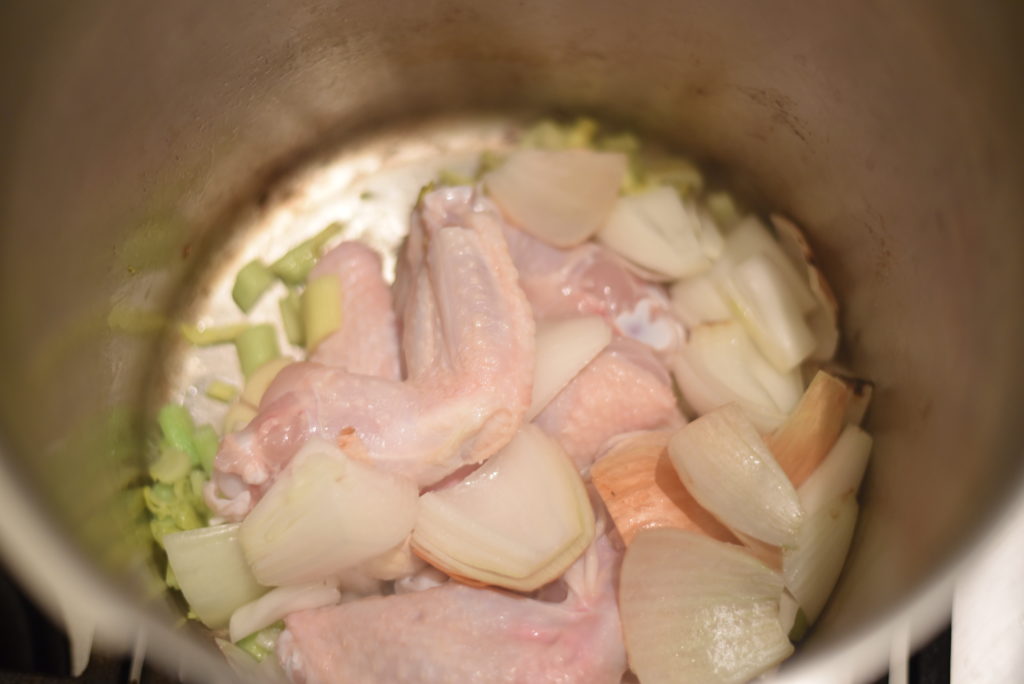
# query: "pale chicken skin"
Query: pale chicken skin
469,340
456,633
366,343
625,388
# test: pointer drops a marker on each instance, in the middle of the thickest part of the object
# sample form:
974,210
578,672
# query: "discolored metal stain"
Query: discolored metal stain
781,107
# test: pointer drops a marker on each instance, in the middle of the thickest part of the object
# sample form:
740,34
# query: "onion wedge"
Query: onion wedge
559,196
517,522
211,571
824,319
697,300
812,566
656,231
757,288
725,464
278,602
563,349
803,441
641,490
841,472
325,513
698,610
720,365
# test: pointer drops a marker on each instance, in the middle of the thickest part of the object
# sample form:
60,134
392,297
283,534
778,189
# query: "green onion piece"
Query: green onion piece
256,346
544,134
206,441
450,177
177,428
262,643
489,160
581,133
250,284
160,527
722,208
294,267
321,308
159,499
626,143
291,317
221,391
172,465
217,334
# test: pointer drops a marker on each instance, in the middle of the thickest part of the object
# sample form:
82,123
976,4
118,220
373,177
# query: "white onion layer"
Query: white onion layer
698,610
325,513
559,196
276,603
563,349
725,464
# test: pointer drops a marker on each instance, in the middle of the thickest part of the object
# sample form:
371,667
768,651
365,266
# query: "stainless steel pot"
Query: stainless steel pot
131,132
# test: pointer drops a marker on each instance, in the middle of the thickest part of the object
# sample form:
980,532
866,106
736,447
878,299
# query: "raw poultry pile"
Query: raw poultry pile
484,472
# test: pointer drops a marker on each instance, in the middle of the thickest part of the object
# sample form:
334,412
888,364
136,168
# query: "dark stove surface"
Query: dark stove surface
33,650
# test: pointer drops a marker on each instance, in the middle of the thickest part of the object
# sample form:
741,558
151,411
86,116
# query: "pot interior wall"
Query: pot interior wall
133,132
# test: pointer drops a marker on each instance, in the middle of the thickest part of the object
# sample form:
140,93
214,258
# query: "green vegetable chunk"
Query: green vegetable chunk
219,334
321,308
206,441
256,346
291,318
172,465
294,267
250,284
177,428
221,391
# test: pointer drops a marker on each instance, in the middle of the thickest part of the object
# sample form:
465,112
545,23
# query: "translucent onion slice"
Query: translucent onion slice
698,610
325,513
276,603
757,289
803,441
517,522
212,572
841,472
813,565
641,490
824,319
654,230
725,464
720,365
749,238
559,196
697,301
563,349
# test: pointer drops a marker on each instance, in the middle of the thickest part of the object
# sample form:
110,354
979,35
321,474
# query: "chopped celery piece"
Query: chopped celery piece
262,643
206,441
221,391
722,208
172,465
177,428
291,317
489,160
450,177
159,499
321,308
161,527
256,346
218,334
675,172
581,133
627,143
294,267
545,134
250,284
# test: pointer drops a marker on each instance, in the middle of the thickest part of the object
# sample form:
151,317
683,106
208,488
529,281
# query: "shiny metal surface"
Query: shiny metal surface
134,135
